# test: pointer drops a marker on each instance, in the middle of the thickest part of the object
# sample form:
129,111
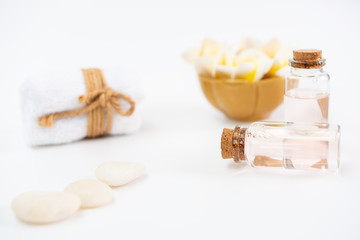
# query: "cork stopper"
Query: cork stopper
307,58
303,55
227,143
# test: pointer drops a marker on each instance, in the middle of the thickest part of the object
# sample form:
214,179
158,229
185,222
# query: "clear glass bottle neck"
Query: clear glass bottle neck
306,72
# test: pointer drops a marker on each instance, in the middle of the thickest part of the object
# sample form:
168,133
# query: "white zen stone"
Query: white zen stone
45,207
119,173
91,192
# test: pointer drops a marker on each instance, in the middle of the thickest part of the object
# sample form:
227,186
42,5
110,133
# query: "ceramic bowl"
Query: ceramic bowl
242,100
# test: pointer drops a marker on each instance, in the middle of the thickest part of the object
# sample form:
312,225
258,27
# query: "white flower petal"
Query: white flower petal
262,68
262,62
244,70
204,65
222,71
210,47
190,55
282,71
272,47
249,43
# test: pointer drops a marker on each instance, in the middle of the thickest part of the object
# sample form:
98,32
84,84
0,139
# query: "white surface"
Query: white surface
188,192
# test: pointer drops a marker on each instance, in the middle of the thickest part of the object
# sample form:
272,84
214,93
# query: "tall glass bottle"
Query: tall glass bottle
302,146
307,88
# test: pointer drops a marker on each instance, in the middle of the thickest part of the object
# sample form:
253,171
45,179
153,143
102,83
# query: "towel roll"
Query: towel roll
58,91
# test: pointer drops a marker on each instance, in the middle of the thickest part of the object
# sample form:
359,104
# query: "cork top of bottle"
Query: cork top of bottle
307,58
233,143
307,54
227,143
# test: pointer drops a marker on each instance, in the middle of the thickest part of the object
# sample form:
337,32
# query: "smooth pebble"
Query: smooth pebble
45,207
119,173
91,192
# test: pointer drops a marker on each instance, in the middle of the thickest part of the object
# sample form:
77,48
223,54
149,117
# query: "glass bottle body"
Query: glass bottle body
302,146
307,95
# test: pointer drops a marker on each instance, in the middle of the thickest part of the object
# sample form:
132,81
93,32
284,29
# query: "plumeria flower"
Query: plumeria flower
250,60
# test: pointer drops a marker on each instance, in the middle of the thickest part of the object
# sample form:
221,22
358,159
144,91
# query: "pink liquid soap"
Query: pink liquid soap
306,105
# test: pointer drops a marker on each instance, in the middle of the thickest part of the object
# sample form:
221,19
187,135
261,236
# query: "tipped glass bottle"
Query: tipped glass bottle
302,146
307,88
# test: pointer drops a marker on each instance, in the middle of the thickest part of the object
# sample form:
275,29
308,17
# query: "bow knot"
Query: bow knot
103,96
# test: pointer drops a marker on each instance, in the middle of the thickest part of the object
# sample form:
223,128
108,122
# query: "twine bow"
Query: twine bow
100,100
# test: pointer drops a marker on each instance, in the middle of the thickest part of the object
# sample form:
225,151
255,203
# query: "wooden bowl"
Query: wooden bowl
242,100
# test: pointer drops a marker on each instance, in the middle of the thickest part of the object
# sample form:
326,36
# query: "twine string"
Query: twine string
100,101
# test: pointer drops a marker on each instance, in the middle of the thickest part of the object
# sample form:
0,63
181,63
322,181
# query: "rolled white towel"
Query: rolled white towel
58,91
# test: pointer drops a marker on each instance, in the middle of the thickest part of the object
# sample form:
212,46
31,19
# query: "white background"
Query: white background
188,192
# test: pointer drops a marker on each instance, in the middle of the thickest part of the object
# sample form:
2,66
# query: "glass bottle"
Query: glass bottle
302,146
307,88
